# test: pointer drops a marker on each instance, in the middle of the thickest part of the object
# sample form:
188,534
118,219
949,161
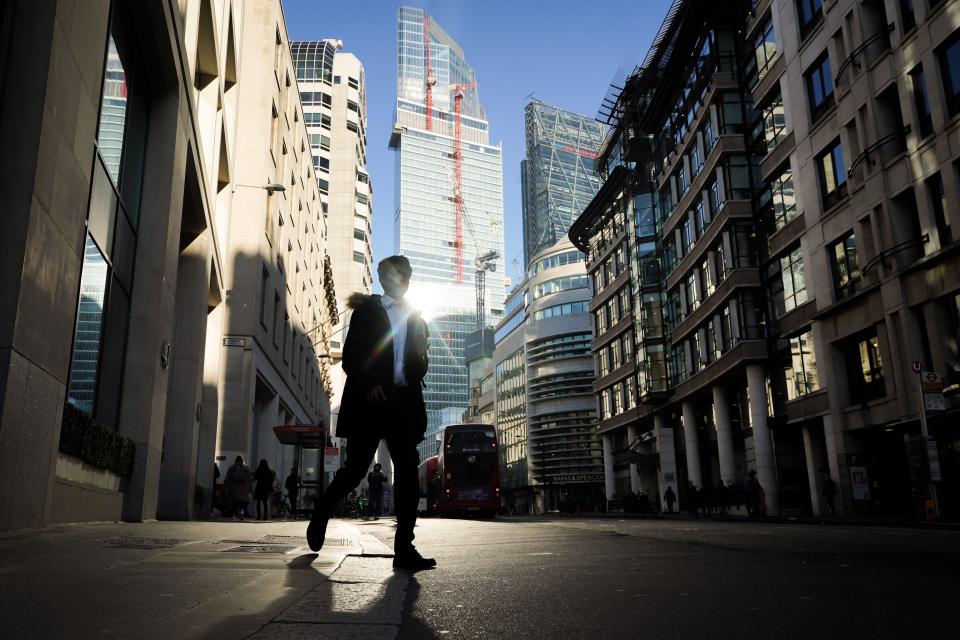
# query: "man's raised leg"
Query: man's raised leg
360,451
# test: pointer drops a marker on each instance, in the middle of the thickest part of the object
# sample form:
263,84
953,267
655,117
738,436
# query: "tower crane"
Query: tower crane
458,90
429,77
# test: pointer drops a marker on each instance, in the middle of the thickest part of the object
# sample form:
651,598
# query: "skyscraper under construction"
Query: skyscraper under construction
449,196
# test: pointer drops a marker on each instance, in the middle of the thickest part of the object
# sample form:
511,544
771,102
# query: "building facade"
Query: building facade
449,197
282,299
117,205
558,177
772,245
540,392
333,92
334,96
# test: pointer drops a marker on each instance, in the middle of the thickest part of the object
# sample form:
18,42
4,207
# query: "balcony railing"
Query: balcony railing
882,37
866,155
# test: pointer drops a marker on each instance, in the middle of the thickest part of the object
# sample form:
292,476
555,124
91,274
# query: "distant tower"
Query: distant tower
449,206
558,178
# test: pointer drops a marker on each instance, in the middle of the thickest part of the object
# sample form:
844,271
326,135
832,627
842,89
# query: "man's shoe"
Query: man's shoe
412,561
316,532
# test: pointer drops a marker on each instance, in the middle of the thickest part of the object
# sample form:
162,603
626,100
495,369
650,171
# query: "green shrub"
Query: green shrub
100,446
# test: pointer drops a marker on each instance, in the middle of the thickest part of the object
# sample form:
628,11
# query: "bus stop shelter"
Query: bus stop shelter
308,441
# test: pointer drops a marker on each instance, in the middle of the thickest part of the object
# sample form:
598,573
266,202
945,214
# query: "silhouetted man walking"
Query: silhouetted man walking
385,360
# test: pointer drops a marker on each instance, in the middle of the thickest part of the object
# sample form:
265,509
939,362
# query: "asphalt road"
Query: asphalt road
604,578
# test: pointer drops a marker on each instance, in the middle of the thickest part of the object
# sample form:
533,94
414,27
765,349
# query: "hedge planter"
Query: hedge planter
97,445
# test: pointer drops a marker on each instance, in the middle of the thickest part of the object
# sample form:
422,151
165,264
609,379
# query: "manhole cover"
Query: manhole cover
297,540
136,542
260,548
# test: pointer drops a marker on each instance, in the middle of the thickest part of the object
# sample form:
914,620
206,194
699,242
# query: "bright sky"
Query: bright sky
564,52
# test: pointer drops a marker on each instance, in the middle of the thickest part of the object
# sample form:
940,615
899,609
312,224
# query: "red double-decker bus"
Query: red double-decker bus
464,478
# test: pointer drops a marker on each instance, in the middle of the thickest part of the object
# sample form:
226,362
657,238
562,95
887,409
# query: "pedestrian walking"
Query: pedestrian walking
669,497
751,485
292,485
264,476
692,502
385,361
761,500
238,484
375,482
704,499
829,492
720,498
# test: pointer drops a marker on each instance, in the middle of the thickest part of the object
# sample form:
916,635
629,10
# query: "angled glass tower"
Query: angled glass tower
449,197
558,176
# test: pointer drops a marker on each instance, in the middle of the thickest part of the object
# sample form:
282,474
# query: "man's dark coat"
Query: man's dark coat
368,362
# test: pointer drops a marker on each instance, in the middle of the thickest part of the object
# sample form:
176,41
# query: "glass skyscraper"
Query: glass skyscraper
558,178
441,243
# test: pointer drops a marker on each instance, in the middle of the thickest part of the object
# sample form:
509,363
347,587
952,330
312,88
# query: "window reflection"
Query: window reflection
86,344
113,113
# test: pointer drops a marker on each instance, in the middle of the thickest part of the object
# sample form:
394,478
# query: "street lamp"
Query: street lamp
270,187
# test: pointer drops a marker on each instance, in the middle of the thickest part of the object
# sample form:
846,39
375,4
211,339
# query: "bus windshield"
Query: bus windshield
472,441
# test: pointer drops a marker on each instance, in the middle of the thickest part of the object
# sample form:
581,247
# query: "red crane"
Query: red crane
458,90
430,80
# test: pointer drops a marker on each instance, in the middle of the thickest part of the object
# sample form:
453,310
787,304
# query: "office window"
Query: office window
833,175
688,236
921,101
809,14
801,370
359,257
113,113
846,266
794,280
938,204
774,122
949,54
359,234
264,286
765,48
864,367
276,319
692,292
907,16
819,83
779,200
87,342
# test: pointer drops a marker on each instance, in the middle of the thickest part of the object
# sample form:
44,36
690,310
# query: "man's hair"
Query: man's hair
400,263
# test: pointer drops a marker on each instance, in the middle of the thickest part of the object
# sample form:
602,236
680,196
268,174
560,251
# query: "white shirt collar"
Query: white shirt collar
390,302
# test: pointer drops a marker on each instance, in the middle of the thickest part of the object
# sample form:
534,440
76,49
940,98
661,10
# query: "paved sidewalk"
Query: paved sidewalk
734,517
209,579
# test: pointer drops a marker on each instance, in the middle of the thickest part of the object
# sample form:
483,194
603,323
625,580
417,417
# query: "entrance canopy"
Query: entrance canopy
309,436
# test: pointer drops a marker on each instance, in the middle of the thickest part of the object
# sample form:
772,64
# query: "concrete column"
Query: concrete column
635,484
833,458
608,478
762,440
816,456
209,410
668,456
178,468
692,441
150,334
721,418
